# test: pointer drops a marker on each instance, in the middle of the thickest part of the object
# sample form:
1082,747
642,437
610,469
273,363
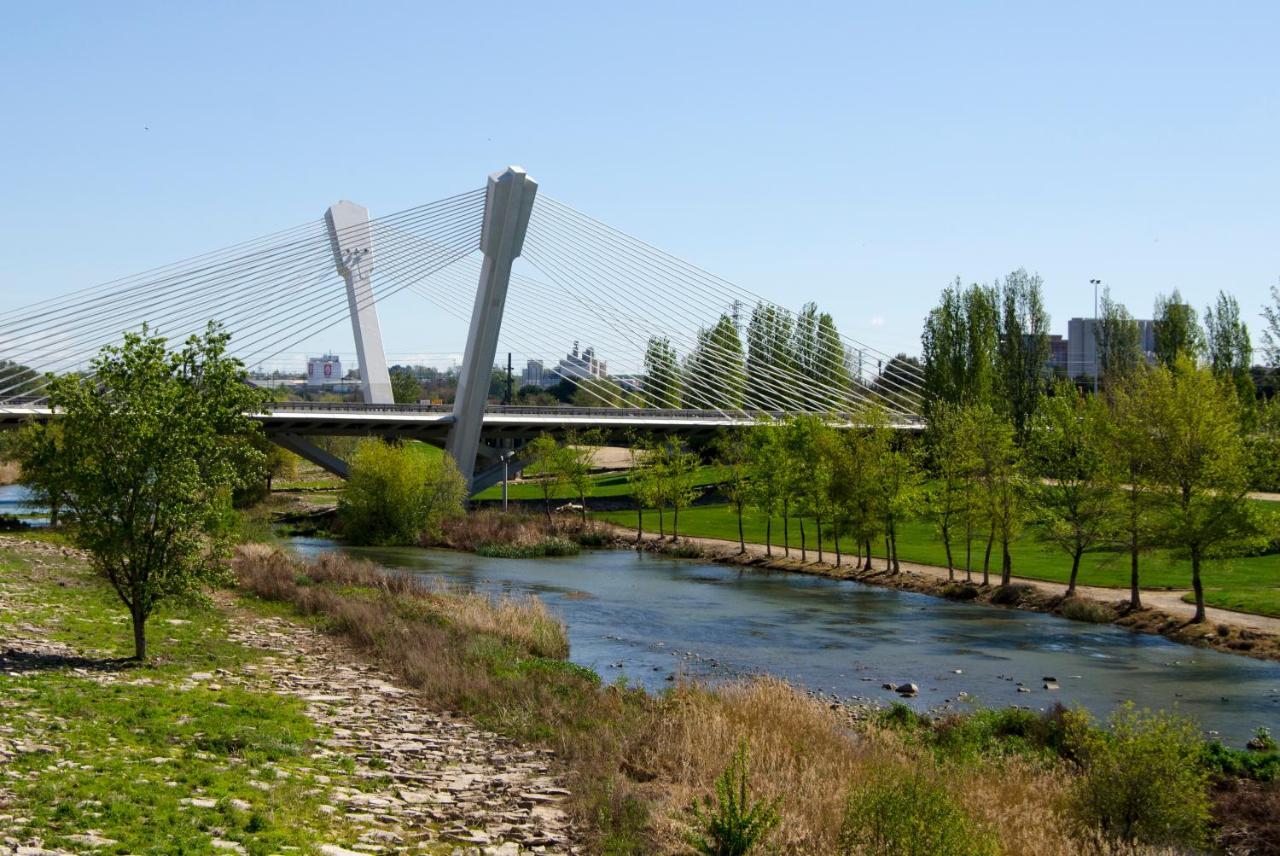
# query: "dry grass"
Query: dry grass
489,527
637,762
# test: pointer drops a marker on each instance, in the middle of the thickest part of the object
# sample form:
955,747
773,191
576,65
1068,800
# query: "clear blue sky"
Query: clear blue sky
861,155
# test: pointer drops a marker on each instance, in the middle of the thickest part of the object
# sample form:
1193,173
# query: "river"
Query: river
646,618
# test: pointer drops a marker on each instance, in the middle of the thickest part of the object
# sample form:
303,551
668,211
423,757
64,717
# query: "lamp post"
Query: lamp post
506,462
1096,361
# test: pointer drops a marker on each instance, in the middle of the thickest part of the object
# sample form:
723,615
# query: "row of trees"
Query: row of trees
1159,462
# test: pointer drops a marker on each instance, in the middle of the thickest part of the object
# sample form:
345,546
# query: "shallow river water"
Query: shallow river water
646,618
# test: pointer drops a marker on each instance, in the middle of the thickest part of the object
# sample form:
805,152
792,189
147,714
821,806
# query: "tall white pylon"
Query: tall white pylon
507,205
352,243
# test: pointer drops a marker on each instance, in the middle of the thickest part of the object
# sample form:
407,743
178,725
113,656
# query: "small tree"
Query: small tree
733,454
405,388
947,498
45,465
576,458
1076,493
1129,447
998,472
1198,459
395,494
154,443
679,472
898,482
543,454
766,475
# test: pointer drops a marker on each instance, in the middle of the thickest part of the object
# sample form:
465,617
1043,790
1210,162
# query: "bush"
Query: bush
1011,594
734,824
395,494
907,813
1237,763
1083,609
1143,779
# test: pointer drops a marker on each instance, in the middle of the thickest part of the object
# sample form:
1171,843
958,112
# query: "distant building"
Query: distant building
325,370
1080,359
533,375
1058,355
581,366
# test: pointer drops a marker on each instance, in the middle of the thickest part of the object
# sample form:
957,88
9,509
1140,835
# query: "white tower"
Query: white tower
352,243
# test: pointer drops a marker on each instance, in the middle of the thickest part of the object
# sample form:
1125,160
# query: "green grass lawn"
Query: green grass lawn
148,756
1248,584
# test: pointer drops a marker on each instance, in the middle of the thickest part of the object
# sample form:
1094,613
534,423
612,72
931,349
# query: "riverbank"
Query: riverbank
330,706
1164,613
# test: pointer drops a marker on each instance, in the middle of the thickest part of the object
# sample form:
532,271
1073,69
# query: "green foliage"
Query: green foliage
547,547
1143,779
1119,342
405,388
769,354
1024,347
46,468
1241,763
1177,332
1271,335
734,824
663,381
998,475
958,346
903,812
714,372
148,449
395,495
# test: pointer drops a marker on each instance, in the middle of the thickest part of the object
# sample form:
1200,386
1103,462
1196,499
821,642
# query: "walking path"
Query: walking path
1169,601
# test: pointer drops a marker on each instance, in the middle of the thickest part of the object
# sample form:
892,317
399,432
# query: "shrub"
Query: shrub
1237,763
1143,779
395,494
904,812
1011,594
734,824
1083,609
899,715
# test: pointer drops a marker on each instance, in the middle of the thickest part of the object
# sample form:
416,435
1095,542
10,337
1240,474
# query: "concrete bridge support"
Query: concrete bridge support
508,204
352,243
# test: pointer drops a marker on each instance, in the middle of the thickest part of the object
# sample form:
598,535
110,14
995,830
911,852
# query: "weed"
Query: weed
734,823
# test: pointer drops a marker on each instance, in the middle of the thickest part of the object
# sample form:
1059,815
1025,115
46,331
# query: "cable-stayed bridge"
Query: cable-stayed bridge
688,353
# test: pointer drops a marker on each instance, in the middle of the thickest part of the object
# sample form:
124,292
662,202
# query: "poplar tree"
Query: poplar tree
770,363
1024,347
715,374
662,381
1177,334
1119,342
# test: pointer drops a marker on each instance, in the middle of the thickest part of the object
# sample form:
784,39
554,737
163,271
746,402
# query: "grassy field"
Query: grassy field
1249,584
156,758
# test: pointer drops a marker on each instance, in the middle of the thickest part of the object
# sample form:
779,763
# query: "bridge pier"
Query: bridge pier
352,243
508,203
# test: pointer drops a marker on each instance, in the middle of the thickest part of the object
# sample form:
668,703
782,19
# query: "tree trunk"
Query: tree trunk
1006,563
837,538
139,634
893,546
968,557
768,536
1075,569
1196,586
546,501
582,500
662,524
742,538
867,566
1135,595
818,520
804,548
639,523
888,553
946,545
675,523
986,560
786,534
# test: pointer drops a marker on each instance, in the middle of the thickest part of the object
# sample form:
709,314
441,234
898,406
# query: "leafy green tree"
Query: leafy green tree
1024,347
831,365
1069,450
679,473
396,495
948,497
1177,332
1263,446
154,442
770,362
46,468
405,388
900,484
733,453
545,462
998,473
17,379
1119,342
1130,441
576,459
1230,351
715,374
662,382
959,346
768,476
1198,460
1271,335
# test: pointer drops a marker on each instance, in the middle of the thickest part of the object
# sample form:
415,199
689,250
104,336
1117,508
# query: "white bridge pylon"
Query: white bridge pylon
352,242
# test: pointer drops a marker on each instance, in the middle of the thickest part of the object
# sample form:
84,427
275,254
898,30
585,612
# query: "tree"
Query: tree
395,494
998,474
1129,447
17,379
767,479
1271,335
733,454
405,388
679,472
959,346
662,380
155,441
544,461
1198,459
1177,334
576,458
898,482
1024,347
1230,351
830,366
770,364
715,375
642,481
1119,342
948,496
1068,448
46,468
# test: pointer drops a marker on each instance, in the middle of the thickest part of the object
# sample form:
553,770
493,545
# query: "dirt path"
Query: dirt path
1167,601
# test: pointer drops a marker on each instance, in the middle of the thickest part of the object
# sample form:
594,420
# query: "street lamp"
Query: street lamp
506,462
1095,283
